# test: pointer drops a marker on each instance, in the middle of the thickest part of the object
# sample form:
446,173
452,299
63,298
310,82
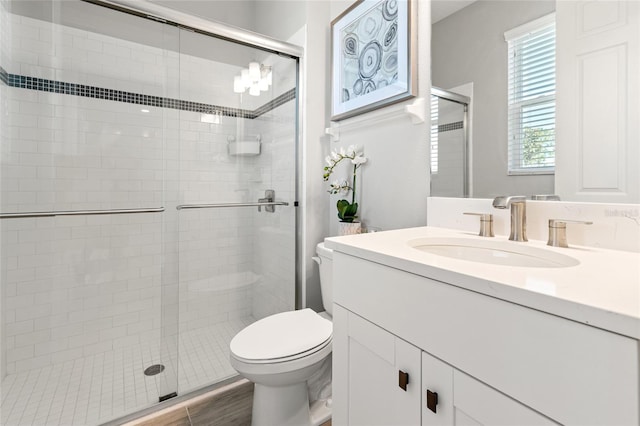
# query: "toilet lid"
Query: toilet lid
282,335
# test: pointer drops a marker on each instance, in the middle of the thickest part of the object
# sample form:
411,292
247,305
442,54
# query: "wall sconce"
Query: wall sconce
257,78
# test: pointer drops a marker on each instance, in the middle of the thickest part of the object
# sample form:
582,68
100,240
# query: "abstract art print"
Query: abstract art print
372,57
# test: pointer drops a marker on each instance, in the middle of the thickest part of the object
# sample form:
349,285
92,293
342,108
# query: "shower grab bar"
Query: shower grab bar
79,213
221,205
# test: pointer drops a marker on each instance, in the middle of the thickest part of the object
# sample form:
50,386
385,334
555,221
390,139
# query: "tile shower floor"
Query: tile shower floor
101,387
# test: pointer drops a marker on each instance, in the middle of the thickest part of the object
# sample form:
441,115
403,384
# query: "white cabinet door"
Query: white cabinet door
598,101
437,379
475,403
371,365
464,401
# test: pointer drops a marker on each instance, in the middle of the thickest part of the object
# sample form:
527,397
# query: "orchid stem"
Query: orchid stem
353,187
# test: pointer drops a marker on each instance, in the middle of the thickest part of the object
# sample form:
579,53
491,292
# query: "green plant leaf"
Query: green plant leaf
347,211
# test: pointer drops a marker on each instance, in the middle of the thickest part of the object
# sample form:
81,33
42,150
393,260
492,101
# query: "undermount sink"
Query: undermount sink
507,253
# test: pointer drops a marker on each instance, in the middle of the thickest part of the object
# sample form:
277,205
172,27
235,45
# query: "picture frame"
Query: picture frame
373,47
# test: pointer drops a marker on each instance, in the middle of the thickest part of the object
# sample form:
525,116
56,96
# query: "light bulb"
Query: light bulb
254,71
246,80
270,76
263,85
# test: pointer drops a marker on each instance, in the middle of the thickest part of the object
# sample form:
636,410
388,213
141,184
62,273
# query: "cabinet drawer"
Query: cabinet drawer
571,372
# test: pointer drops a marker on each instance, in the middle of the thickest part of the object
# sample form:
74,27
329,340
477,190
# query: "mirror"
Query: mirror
470,57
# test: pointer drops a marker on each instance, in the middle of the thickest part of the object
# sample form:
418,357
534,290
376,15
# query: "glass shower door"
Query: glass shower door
83,153
237,179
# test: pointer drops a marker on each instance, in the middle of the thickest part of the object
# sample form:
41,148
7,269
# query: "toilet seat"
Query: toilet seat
282,337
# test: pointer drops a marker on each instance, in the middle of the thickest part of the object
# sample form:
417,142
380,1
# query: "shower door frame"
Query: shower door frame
147,10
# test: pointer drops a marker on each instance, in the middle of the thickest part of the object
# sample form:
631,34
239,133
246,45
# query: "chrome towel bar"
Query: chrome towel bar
79,213
221,205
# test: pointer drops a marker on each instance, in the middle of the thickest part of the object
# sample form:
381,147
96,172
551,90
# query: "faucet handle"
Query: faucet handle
486,223
558,231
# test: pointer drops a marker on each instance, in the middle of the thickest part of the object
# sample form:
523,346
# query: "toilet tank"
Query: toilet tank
325,264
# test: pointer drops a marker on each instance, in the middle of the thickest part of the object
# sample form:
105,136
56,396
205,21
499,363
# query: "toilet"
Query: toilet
281,352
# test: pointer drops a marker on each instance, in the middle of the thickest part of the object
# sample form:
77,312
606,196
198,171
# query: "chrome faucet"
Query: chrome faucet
518,215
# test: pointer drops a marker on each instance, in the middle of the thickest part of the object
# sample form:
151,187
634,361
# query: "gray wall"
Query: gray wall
469,46
232,12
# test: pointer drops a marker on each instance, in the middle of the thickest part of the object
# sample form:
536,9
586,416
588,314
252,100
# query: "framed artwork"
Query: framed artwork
373,56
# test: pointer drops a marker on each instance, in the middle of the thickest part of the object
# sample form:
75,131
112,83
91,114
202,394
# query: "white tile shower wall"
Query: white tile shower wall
75,286
615,226
5,58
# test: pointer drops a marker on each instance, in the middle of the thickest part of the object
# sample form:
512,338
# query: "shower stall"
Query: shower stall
148,166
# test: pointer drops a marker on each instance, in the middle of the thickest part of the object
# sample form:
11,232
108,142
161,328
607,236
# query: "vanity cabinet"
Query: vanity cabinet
489,361
391,382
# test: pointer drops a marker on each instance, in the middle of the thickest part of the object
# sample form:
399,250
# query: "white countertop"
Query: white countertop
602,291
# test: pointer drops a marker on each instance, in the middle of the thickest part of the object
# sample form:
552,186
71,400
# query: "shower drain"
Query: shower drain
154,369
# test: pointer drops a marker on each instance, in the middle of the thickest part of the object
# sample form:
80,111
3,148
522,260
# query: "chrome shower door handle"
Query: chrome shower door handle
269,197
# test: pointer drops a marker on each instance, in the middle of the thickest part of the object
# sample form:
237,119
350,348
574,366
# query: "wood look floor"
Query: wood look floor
230,408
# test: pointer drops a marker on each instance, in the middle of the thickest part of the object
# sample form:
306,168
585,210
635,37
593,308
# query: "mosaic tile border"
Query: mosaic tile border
450,126
74,89
4,77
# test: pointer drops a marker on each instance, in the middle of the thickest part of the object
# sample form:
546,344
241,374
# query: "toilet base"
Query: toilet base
281,405
320,412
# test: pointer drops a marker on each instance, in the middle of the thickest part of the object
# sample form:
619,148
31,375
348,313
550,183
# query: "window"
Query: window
532,93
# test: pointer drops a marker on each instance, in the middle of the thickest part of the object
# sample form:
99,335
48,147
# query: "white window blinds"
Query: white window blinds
434,135
532,104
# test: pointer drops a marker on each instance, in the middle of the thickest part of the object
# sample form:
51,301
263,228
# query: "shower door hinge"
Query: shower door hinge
168,396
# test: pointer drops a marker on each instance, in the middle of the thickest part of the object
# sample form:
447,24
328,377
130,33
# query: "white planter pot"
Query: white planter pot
349,228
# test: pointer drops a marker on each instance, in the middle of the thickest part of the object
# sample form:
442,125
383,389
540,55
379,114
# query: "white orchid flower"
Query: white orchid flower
343,186
359,159
351,150
328,160
342,152
335,156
